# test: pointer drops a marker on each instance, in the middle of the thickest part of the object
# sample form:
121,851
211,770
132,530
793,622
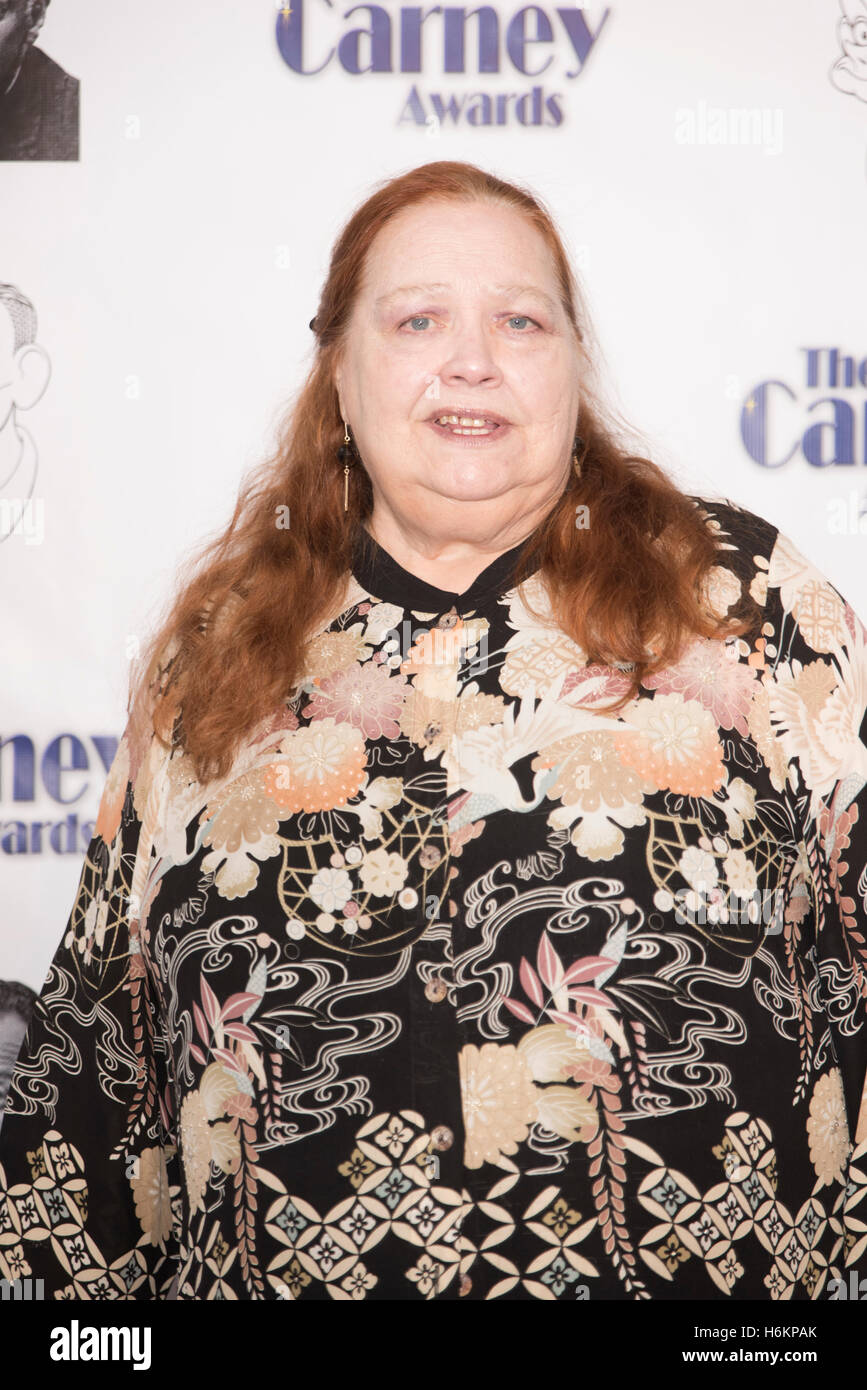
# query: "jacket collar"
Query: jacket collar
383,578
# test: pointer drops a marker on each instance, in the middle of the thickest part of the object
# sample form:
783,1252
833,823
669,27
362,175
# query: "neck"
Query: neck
450,552
446,562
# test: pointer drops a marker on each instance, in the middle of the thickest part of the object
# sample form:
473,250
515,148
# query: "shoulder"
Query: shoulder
769,560
746,543
736,527
38,67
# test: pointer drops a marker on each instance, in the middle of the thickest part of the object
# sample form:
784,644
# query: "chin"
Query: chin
474,474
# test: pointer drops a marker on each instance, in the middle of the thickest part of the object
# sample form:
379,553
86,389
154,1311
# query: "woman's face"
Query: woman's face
482,331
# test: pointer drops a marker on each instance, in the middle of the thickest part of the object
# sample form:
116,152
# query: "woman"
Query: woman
476,904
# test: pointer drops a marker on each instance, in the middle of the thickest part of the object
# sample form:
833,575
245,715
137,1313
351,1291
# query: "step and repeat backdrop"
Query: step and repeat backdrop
172,177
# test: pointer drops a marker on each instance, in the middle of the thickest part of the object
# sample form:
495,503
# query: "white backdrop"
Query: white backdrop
708,172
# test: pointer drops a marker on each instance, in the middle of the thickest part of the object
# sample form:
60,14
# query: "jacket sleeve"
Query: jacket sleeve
816,681
87,1148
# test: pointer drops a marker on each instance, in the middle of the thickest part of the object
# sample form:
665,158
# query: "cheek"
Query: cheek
12,30
390,387
387,468
549,396
403,354
555,378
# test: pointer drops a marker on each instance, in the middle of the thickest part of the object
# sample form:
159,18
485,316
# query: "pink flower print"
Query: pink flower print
367,696
708,674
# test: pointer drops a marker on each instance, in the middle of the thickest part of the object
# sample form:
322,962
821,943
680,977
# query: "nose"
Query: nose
469,355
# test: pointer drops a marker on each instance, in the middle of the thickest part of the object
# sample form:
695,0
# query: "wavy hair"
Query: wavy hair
630,589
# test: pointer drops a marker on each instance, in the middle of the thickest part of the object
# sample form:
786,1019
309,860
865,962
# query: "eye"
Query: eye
521,318
859,31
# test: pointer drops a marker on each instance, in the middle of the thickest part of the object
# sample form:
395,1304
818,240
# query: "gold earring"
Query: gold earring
345,454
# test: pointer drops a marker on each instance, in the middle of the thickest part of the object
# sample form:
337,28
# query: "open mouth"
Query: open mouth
466,424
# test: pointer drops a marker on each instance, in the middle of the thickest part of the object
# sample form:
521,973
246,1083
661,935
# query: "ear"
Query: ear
36,22
31,376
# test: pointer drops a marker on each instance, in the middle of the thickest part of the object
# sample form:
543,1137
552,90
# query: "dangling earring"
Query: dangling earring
347,454
578,448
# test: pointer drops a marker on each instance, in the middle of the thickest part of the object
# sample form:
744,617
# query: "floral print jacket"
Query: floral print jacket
457,987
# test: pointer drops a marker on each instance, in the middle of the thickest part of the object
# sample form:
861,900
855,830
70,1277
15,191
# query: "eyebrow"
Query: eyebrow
438,288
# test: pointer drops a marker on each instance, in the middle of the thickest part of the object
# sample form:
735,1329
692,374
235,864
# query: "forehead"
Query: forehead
458,245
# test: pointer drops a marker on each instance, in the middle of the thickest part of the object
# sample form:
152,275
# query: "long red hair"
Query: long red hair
630,588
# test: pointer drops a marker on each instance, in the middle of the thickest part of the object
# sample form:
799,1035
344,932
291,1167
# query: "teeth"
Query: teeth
467,424
464,420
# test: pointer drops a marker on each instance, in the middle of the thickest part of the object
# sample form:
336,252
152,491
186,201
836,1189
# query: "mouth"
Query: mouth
468,423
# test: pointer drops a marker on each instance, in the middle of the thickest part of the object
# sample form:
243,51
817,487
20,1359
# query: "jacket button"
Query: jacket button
466,1285
442,1138
436,989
